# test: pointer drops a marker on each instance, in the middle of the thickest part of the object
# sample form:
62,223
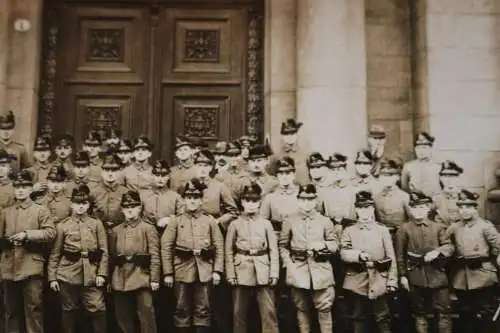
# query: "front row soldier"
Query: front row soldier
26,230
307,242
135,256
474,274
252,263
192,253
423,247
78,264
371,269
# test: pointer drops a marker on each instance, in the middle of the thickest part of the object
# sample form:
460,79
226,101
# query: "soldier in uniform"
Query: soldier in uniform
290,148
161,204
246,142
363,179
124,152
108,193
81,169
258,160
55,198
445,202
337,201
92,145
318,172
422,247
7,127
192,251
183,170
252,263
63,151
6,187
307,242
40,169
233,175
474,274
371,269
422,174
376,145
138,175
78,264
135,251
26,230
220,161
113,138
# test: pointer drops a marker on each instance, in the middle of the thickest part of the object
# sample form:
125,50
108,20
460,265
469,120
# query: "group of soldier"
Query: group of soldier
236,228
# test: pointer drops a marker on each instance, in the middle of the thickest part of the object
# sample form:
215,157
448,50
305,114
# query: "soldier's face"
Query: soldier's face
244,152
160,180
306,205
183,153
125,157
285,178
131,213
388,180
423,152
203,170
258,164
365,214
41,155
375,144
232,161
141,154
251,206
80,208
6,134
113,142
289,139
420,212
467,212
63,152
337,174
109,175
81,172
317,173
55,187
22,192
92,150
449,182
4,170
192,203
363,169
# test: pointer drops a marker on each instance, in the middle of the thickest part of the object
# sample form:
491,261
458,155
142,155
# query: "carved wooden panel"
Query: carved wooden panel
201,113
204,46
103,117
105,45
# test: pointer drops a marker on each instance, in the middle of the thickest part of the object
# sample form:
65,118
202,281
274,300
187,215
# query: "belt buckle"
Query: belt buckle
84,254
310,253
252,252
197,252
128,258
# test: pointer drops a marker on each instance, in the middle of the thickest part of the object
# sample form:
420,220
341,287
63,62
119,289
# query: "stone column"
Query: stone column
4,50
280,65
331,74
23,68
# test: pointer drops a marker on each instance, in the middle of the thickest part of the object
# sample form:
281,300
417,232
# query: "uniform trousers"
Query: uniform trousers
192,306
23,305
321,300
265,295
431,301
362,307
476,309
135,306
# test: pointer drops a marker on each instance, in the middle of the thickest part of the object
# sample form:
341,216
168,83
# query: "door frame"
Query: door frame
253,88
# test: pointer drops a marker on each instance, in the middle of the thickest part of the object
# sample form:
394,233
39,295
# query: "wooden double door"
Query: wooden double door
159,69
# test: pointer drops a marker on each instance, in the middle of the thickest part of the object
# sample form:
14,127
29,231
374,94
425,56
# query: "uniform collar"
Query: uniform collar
95,160
132,223
185,164
160,190
362,179
366,225
339,183
80,181
25,204
323,182
57,197
307,215
287,148
195,214
44,165
450,195
248,217
470,223
5,181
79,218
142,166
5,143
288,190
112,186
421,222
388,190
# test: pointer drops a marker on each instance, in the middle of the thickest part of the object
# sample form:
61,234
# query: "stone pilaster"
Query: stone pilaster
4,50
23,68
331,74
280,60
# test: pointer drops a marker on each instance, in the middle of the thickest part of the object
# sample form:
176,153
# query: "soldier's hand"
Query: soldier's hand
317,246
232,282
404,283
215,278
100,281
273,282
19,237
54,285
391,288
364,257
163,222
155,286
168,281
430,256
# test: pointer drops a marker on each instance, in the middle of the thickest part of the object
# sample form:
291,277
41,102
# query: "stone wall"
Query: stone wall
459,58
387,24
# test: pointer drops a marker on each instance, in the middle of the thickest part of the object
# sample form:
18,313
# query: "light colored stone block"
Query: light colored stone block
383,71
24,104
388,40
281,106
441,30
476,31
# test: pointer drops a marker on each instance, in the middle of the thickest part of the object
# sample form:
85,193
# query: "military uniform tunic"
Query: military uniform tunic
40,171
299,156
95,170
159,203
138,176
6,193
391,207
266,182
107,199
421,176
279,204
180,174
58,204
445,204
219,202
17,150
337,200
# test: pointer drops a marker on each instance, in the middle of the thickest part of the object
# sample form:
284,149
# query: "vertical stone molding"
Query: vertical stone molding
5,28
331,74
